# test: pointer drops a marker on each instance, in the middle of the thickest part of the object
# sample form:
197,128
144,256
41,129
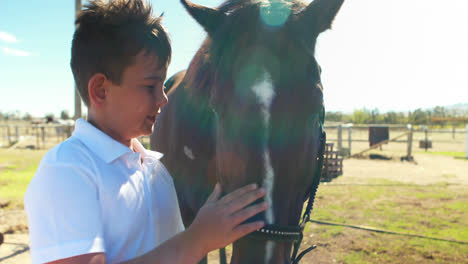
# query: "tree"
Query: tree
27,117
419,117
375,117
390,118
361,116
49,117
64,115
440,111
334,116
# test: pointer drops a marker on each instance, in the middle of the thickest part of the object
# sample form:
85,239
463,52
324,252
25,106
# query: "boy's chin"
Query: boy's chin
147,131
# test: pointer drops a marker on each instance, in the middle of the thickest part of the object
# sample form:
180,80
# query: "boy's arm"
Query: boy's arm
92,258
218,223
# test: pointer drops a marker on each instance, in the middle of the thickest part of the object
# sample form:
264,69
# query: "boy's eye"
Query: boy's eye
149,87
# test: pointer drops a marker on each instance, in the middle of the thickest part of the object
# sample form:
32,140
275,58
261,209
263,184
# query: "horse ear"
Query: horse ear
320,14
208,18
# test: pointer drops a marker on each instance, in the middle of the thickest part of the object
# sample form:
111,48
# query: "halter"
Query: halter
295,233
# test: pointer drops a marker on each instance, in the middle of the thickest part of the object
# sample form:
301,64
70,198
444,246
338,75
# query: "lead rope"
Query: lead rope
306,218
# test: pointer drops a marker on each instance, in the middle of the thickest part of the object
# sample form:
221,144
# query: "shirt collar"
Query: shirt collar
145,153
107,148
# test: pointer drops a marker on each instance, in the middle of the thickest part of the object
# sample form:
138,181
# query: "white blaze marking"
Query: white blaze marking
188,152
264,91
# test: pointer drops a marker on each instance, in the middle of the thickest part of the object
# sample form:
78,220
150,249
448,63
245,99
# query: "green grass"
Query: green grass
17,167
438,210
454,154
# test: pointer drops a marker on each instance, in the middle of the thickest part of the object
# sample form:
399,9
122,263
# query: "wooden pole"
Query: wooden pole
466,151
43,136
453,130
69,131
350,139
37,137
77,94
381,143
426,144
340,138
410,142
16,133
9,135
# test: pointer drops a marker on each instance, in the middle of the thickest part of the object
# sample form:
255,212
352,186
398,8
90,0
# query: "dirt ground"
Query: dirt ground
15,248
428,169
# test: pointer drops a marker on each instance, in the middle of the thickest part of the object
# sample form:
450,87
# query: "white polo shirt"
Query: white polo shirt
93,194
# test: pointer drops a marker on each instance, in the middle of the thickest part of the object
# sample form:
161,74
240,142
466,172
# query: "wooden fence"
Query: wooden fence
350,140
41,136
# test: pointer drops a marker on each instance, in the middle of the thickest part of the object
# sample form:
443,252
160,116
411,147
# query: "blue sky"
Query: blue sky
387,54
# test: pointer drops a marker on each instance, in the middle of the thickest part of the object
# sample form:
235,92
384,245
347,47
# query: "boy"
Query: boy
100,197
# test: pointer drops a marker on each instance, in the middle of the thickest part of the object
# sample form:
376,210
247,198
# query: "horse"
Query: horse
249,109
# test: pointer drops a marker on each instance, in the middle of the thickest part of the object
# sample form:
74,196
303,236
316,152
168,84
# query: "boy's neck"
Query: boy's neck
100,124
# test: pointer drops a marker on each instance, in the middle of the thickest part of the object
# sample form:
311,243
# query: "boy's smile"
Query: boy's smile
130,109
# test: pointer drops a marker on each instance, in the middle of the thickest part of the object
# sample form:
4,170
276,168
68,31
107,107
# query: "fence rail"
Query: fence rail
33,136
349,139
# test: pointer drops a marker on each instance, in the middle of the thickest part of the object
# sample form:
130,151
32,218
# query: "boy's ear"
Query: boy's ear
97,89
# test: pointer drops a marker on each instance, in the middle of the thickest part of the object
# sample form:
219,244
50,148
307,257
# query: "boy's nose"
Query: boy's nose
161,99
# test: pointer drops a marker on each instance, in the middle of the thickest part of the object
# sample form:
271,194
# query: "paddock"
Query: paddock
425,197
348,139
352,139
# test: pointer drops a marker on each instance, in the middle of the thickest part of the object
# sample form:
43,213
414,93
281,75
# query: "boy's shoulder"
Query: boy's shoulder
68,163
71,151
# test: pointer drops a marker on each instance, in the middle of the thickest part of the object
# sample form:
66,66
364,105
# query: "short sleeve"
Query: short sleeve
63,208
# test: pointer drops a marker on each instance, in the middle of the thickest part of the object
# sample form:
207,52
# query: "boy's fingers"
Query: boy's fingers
250,211
248,228
233,195
246,199
214,196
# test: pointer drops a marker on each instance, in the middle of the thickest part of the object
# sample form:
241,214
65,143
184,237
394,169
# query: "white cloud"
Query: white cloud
16,52
6,37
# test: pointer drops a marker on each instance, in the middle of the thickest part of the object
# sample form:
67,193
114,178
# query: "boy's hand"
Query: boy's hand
218,223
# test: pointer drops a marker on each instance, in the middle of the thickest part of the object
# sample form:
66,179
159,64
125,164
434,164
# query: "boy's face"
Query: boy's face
133,106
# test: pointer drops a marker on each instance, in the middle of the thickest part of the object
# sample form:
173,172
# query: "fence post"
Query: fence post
453,130
350,131
466,152
43,136
426,144
16,133
37,137
410,142
65,133
9,135
340,138
69,131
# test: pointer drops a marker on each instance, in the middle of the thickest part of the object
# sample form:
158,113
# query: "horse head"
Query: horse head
257,74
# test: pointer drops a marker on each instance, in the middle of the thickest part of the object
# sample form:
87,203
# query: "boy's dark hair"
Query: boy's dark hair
109,35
